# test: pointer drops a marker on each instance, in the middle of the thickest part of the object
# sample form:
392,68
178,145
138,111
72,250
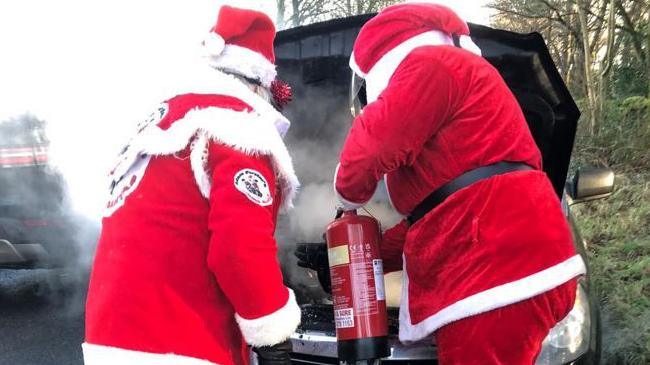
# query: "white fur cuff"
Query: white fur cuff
273,328
345,204
348,205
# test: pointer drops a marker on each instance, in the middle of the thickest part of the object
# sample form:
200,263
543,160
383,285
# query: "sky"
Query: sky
93,68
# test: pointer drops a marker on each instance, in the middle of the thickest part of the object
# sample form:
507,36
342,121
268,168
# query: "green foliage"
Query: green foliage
622,141
629,80
619,245
637,105
618,228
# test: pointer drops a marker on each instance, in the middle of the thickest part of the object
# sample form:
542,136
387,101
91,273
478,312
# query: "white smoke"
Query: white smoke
94,74
91,70
321,120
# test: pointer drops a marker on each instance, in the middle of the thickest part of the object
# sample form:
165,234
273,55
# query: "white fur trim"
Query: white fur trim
355,67
249,63
249,133
268,7
199,163
106,355
258,132
467,43
345,204
390,199
273,328
377,78
202,79
487,300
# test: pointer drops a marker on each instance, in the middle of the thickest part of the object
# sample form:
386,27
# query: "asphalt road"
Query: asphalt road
41,317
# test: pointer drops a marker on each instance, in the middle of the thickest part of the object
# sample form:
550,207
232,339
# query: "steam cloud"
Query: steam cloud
321,121
40,194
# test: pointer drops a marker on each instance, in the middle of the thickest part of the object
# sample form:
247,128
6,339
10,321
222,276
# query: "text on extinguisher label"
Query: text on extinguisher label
344,318
363,280
378,269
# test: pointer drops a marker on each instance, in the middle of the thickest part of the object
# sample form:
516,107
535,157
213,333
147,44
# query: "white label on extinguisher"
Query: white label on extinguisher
344,318
378,269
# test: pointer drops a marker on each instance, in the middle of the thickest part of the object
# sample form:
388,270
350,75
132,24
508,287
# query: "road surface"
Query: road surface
41,317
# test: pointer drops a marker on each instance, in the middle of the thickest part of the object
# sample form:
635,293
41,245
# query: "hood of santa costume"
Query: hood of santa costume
387,39
241,43
258,131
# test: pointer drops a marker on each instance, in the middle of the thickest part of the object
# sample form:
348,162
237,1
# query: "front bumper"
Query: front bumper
315,342
319,348
315,347
20,254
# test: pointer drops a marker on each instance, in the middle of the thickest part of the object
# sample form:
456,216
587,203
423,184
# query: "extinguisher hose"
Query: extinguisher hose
367,211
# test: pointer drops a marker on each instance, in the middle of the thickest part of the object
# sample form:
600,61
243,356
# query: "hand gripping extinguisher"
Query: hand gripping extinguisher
358,294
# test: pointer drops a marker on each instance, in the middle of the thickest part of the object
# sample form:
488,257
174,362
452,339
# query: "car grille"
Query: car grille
315,341
320,317
301,359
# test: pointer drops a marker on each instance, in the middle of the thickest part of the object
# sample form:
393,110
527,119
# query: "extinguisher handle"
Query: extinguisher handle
339,213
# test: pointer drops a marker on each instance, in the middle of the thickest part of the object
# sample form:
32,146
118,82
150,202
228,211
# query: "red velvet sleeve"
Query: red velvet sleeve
243,252
390,132
392,247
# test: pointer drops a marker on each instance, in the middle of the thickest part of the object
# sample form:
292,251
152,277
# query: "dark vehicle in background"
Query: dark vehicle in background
314,60
33,228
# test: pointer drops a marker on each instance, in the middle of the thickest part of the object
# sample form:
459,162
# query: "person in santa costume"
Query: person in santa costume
186,271
489,264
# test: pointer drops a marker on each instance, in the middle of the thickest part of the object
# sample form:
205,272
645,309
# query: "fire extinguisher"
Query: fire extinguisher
358,293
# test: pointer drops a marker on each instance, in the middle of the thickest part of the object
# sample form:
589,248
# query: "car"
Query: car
314,60
34,230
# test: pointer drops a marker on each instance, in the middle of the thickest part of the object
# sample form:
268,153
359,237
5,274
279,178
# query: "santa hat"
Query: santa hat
388,38
241,41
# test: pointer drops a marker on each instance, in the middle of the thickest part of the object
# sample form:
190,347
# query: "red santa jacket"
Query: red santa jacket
186,269
446,111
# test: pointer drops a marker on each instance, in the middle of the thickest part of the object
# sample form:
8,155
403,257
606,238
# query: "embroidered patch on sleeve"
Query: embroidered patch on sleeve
253,184
156,116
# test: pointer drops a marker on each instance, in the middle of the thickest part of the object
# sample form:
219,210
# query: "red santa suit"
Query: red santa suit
435,112
186,269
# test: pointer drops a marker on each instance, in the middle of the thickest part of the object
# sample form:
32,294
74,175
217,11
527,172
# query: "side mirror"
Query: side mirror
591,184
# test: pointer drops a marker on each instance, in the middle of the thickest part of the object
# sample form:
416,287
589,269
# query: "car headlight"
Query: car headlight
569,339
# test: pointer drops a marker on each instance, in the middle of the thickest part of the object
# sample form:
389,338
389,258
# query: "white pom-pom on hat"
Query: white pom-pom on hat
213,44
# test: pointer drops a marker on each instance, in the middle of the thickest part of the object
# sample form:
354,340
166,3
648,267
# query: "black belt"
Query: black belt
461,182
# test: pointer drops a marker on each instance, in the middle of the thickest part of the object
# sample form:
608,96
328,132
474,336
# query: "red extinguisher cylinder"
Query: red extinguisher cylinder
358,293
